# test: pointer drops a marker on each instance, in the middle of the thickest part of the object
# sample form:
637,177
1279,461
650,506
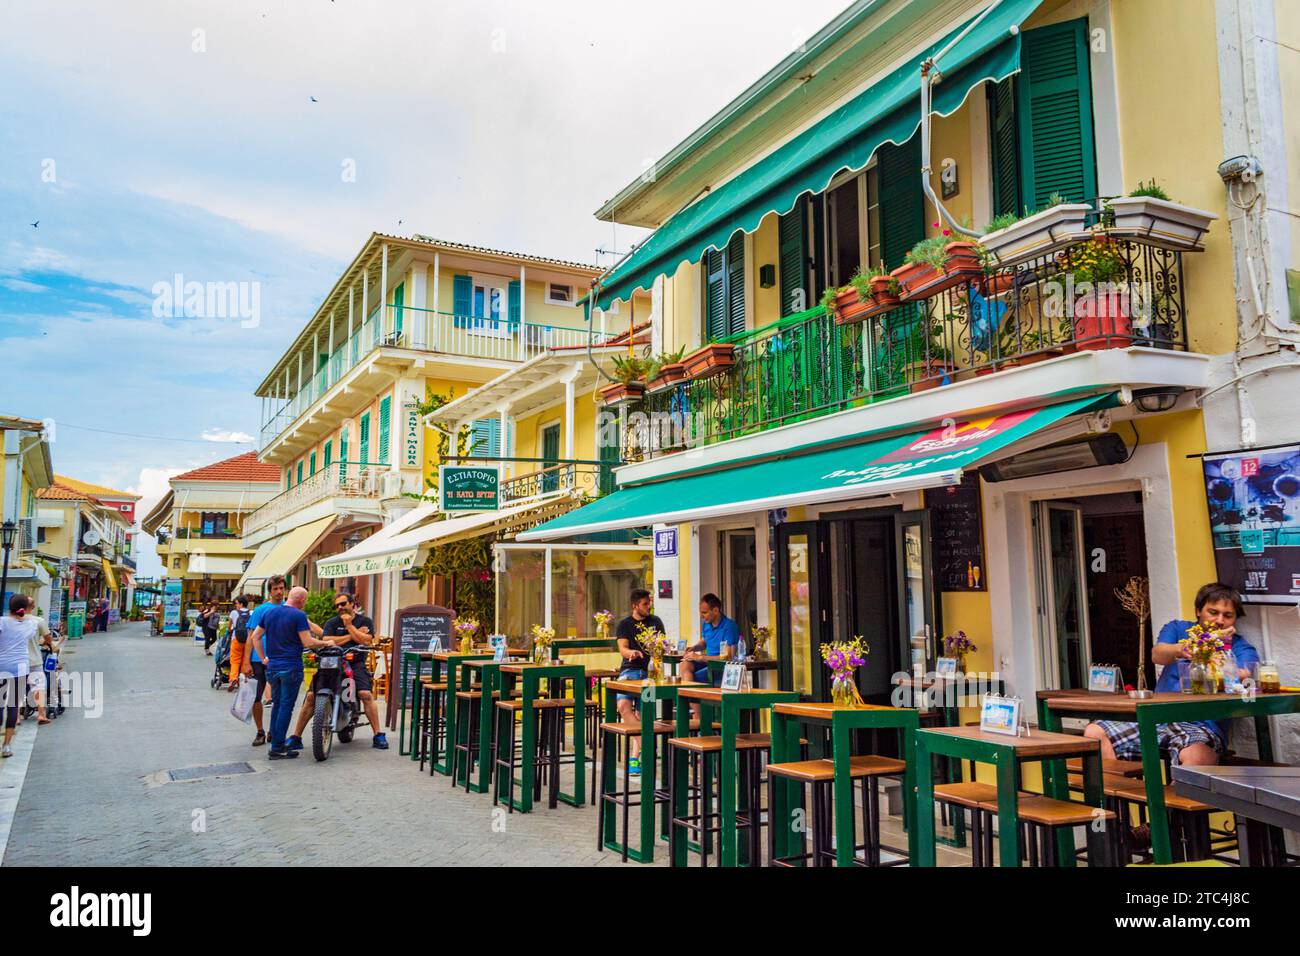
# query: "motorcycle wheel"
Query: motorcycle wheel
322,735
345,735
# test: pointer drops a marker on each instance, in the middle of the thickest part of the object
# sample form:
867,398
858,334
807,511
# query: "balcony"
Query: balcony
340,479
590,481
406,327
809,365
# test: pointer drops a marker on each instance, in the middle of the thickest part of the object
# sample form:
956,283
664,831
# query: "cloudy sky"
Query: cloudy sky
210,140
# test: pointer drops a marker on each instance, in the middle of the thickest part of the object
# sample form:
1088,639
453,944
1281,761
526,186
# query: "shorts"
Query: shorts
359,673
259,672
631,673
702,674
12,698
1123,737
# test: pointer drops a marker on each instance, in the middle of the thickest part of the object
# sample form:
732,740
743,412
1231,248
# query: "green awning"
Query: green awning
925,459
888,111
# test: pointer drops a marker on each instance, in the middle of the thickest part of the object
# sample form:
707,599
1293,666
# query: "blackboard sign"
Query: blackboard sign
957,515
414,629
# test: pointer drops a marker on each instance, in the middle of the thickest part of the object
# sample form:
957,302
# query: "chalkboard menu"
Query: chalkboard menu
414,629
956,514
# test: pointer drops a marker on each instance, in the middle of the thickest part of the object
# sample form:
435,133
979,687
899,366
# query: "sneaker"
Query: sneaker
293,743
260,739
281,754
380,742
634,767
7,751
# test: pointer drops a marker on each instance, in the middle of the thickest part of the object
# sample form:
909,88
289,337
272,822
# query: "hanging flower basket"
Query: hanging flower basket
622,393
850,308
711,360
1160,222
1037,235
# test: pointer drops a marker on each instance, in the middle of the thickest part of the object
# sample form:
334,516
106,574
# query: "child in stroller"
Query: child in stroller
221,671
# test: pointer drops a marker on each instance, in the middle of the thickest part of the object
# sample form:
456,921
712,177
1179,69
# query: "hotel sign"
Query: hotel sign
412,430
463,488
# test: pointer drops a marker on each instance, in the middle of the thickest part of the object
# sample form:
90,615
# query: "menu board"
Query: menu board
414,629
956,513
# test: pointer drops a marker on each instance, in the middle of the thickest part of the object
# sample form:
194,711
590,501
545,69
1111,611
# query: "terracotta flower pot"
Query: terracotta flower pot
920,281
881,294
1103,321
621,393
850,307
923,376
668,376
710,360
997,283
914,277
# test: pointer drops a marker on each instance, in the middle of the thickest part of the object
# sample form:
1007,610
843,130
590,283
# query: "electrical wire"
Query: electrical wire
105,431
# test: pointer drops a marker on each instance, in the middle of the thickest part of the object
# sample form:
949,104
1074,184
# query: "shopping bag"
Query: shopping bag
245,698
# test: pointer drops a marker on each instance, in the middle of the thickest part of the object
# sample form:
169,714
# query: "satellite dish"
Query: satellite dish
90,538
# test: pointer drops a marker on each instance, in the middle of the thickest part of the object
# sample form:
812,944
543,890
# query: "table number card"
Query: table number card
945,667
681,645
1105,678
498,642
734,676
435,645
1000,715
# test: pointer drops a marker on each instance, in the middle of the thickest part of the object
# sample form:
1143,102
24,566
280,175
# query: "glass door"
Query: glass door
488,302
918,603
1064,644
551,454
801,617
740,581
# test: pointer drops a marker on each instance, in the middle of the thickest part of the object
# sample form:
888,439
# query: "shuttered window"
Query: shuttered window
514,300
365,439
1004,147
343,454
485,438
311,468
902,203
724,289
793,236
399,304
329,453
299,473
1054,122
385,406
462,294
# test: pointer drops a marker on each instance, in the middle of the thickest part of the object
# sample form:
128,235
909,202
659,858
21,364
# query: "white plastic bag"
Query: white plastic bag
245,698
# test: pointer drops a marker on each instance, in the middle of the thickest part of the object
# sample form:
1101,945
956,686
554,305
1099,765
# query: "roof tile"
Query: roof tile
243,467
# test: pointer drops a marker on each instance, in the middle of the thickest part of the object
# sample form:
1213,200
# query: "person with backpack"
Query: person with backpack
239,617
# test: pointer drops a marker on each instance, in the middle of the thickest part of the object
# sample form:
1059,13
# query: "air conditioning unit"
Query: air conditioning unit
1106,449
390,484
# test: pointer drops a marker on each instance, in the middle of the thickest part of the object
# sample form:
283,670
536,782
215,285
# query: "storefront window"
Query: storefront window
801,637
521,591
583,581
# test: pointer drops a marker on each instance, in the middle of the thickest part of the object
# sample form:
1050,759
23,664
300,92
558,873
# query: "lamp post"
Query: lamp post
8,532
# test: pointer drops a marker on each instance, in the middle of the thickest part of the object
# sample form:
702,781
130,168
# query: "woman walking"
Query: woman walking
20,636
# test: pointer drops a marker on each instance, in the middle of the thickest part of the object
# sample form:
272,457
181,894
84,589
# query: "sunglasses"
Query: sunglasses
342,605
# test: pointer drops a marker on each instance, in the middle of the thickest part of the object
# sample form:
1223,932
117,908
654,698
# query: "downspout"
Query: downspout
930,73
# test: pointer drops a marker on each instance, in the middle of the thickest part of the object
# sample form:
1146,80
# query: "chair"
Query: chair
960,797
1041,817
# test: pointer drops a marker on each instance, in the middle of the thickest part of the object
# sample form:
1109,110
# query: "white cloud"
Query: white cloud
22,285
225,435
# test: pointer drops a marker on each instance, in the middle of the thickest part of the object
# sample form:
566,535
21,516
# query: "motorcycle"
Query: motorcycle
336,709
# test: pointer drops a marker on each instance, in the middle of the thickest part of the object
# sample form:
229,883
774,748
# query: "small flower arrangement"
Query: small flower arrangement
543,637
959,645
843,658
603,620
465,629
654,643
760,636
1204,643
1097,260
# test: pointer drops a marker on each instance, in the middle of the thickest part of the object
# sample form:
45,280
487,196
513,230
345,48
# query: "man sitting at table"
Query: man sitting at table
719,638
1194,742
634,663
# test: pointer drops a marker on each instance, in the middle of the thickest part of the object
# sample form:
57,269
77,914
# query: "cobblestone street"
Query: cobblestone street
92,794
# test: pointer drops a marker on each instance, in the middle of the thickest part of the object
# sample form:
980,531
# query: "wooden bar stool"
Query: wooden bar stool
820,775
960,797
549,714
1040,820
1189,820
616,736
703,757
430,726
467,732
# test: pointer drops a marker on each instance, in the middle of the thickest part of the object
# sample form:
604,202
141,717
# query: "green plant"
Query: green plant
861,281
930,252
827,301
630,368
1002,221
1093,261
655,364
319,607
467,566
1150,190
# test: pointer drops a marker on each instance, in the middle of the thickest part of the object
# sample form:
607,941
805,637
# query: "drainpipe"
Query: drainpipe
930,73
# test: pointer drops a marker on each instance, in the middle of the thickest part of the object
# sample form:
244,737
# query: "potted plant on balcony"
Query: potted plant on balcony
930,358
629,370
710,360
868,293
664,370
935,264
1149,215
1103,317
1010,239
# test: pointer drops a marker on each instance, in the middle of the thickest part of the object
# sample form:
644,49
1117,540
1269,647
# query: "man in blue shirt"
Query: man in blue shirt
254,666
279,641
1197,742
719,637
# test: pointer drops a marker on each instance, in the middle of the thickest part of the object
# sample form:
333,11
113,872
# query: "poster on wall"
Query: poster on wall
1254,502
172,607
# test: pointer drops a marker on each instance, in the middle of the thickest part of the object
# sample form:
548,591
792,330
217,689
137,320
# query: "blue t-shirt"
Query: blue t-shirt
283,624
254,620
1242,651
715,635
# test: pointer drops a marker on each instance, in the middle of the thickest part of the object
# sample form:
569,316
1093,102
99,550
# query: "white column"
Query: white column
331,339
365,295
570,380
435,320
418,298
504,450
383,290
523,289
299,370
351,289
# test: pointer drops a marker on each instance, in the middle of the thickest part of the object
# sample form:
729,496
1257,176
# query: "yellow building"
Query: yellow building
199,525
998,446
25,470
84,539
413,324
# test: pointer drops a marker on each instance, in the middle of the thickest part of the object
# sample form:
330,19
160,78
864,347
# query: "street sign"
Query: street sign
463,488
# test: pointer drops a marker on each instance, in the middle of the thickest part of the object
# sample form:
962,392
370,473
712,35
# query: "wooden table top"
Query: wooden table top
480,664
1098,702
1040,743
819,710
448,655
636,686
715,694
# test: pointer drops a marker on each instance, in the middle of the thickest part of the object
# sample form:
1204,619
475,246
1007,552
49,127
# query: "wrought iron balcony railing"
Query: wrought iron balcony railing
809,365
590,480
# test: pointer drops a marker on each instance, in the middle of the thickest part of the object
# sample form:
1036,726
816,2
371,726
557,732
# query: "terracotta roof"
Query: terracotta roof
98,491
61,492
468,247
243,467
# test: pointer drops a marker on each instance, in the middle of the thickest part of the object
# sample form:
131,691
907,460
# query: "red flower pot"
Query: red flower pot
710,360
880,292
850,307
997,284
1103,321
621,392
921,281
668,376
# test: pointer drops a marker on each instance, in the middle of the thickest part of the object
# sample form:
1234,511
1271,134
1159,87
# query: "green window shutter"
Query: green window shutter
329,453
514,306
462,294
288,478
736,284
385,406
399,304
365,439
299,473
793,232
1054,107
715,295
343,454
902,203
311,470
1004,147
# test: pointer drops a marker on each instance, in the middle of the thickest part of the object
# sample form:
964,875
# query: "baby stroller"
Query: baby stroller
221,671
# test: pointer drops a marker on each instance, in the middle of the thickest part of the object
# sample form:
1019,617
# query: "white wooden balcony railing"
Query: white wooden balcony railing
339,479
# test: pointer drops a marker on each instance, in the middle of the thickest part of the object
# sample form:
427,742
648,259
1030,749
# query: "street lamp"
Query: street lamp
8,533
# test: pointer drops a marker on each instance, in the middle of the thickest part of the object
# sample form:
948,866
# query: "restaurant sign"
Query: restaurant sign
468,488
1254,502
371,564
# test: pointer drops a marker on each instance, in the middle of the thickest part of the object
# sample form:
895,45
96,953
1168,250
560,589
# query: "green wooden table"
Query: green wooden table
489,681
449,662
842,720
731,704
530,677
1005,753
1163,708
408,685
651,696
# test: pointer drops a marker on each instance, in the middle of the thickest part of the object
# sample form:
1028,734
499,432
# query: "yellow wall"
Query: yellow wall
765,249
536,310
